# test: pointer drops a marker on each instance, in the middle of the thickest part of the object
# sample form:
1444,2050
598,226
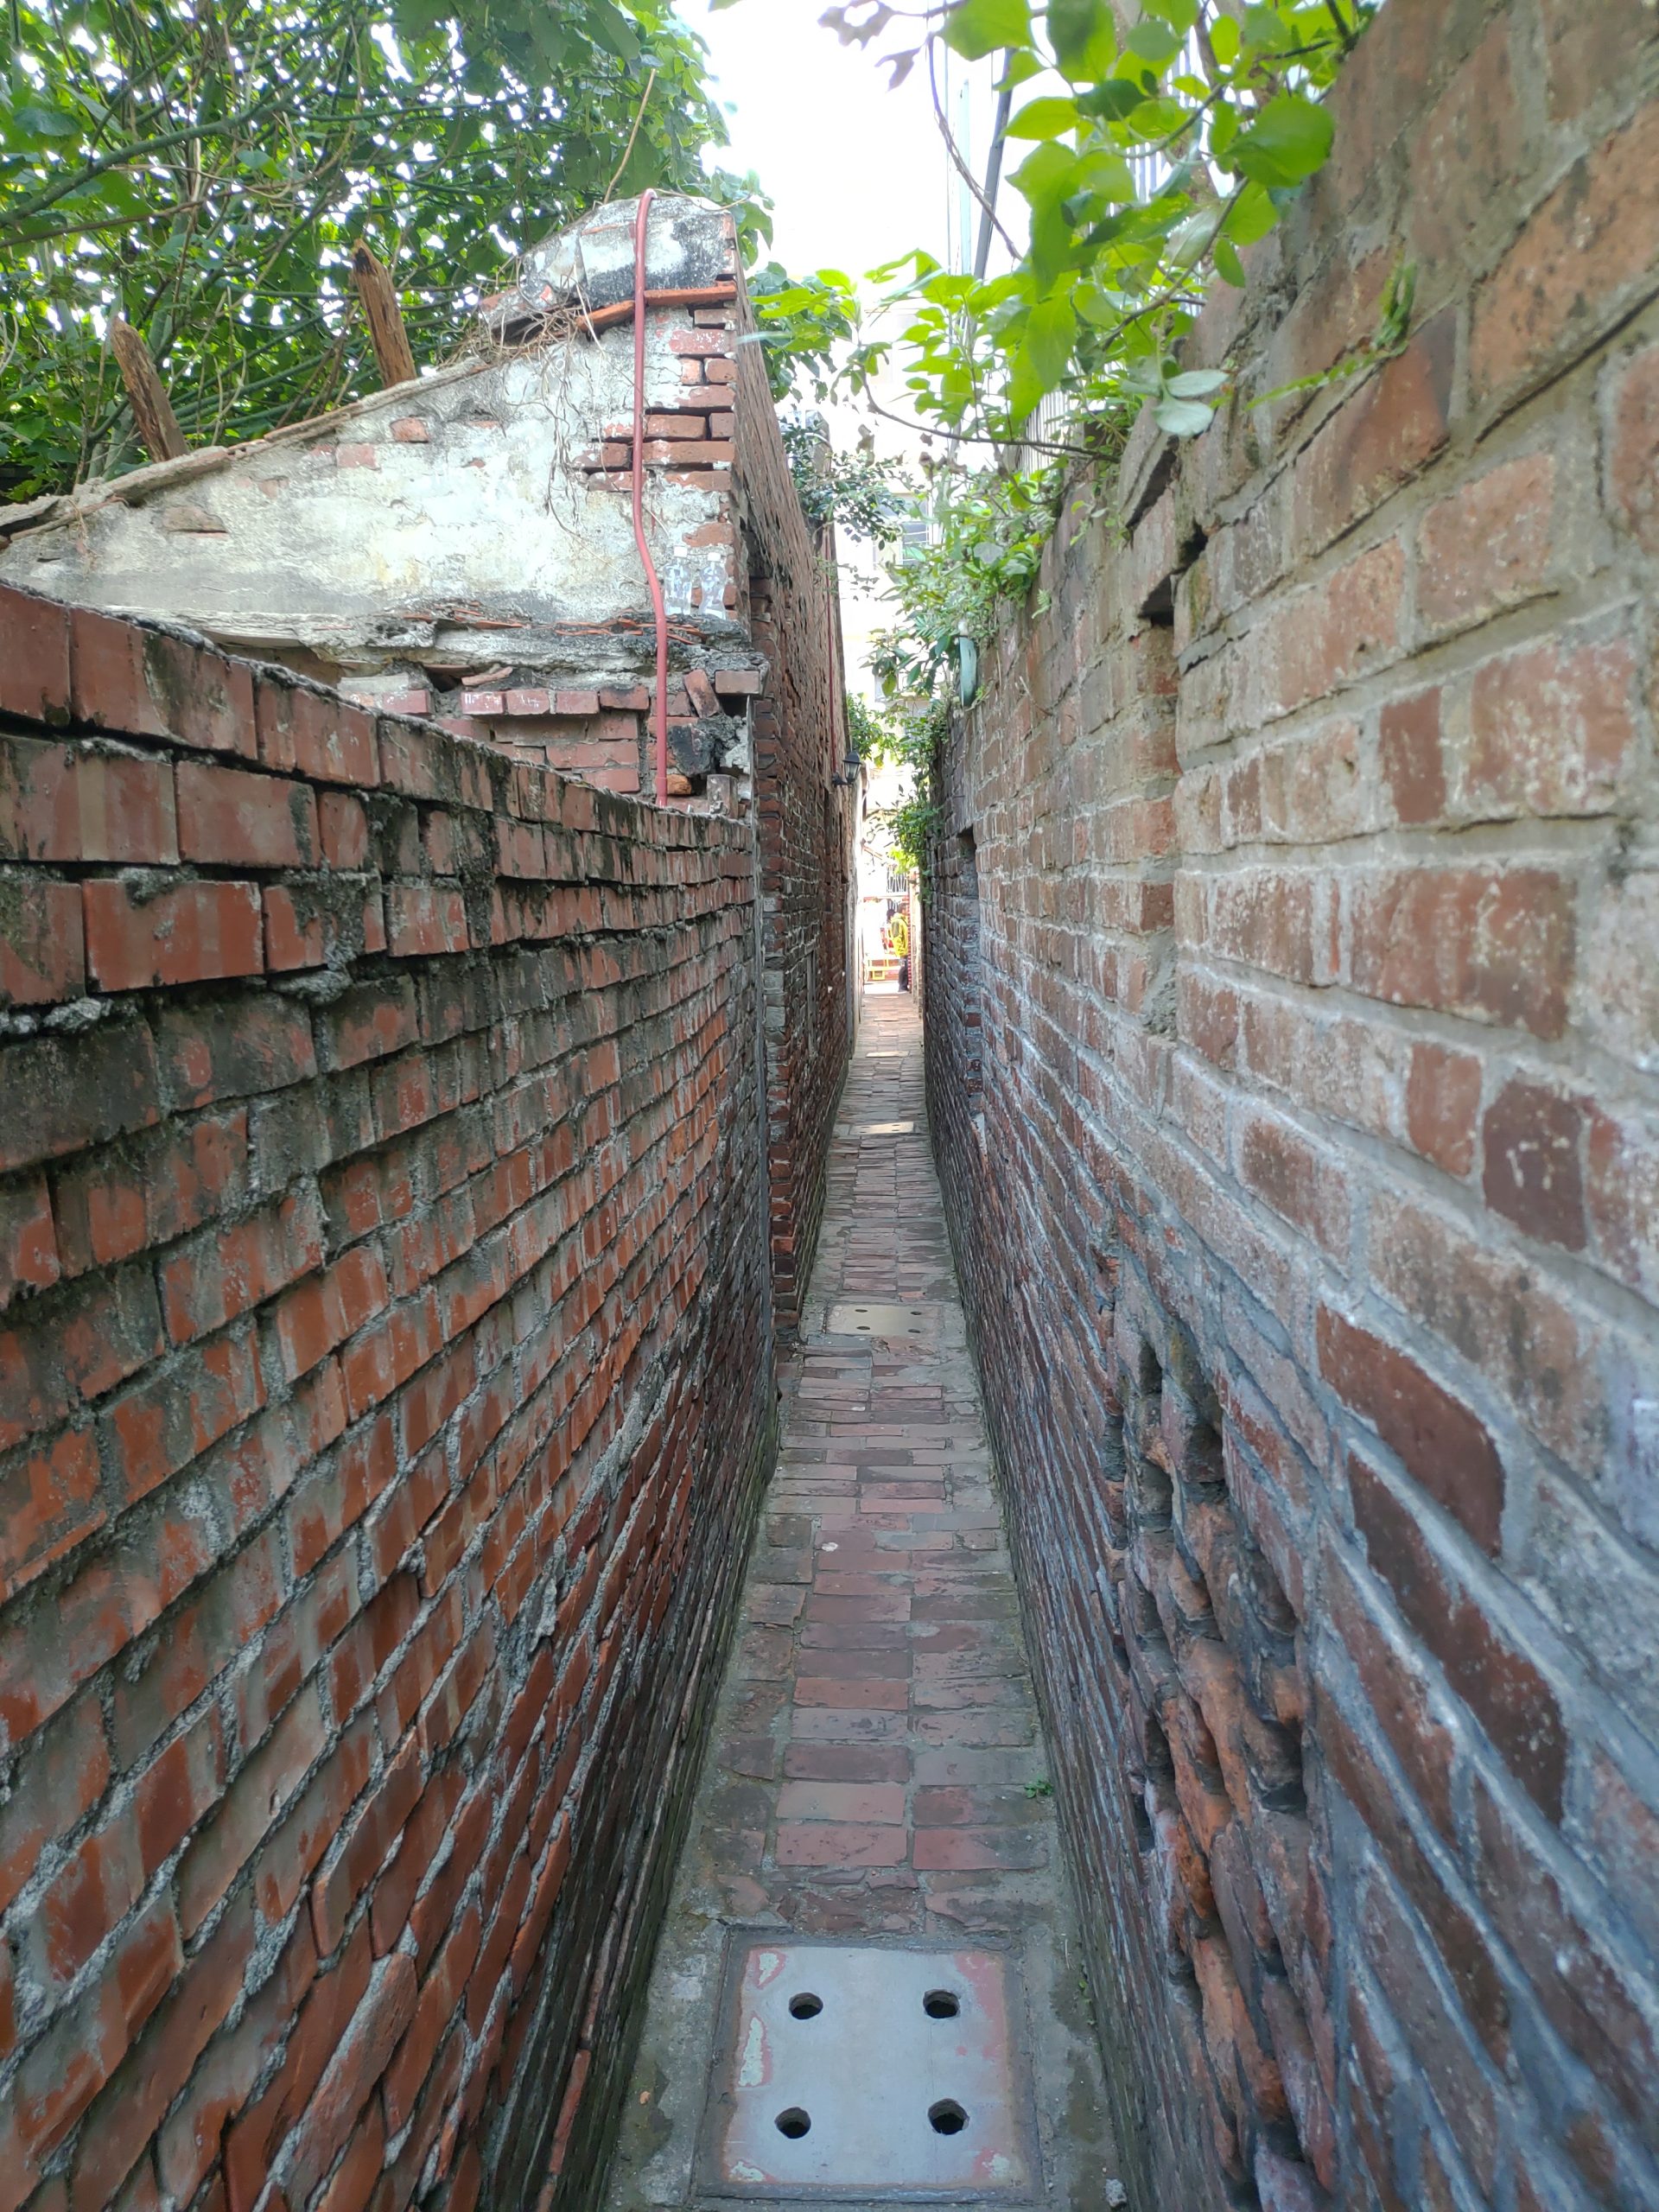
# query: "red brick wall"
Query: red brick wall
1312,1231
385,1392
807,822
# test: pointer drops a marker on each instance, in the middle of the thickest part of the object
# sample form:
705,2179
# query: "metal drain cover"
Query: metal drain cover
848,1319
864,2070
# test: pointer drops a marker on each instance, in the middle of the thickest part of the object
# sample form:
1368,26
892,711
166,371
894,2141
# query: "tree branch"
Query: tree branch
10,217
957,162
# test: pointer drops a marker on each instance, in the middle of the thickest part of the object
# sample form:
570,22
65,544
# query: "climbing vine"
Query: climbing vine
985,546
1149,157
1150,160
908,737
865,498
806,326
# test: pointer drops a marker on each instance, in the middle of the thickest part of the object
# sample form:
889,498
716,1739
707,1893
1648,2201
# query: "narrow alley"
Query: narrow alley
878,1775
639,1571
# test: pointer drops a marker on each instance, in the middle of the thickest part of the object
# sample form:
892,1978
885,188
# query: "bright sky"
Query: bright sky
857,176
858,173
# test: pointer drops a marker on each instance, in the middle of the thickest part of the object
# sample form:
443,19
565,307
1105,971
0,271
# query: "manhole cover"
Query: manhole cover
850,1320
867,2070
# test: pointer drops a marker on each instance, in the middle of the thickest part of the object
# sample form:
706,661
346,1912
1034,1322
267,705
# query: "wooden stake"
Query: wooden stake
384,317
152,410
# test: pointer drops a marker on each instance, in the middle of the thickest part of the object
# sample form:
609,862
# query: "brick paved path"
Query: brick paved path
877,1740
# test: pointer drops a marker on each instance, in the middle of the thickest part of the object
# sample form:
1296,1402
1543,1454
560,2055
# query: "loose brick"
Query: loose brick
213,1278
231,818
186,934
1409,751
1572,266
1495,944
36,681
1532,1137
42,955
28,1243
1504,1690
84,802
1487,546
1440,1443
1443,1092
840,1844
1551,729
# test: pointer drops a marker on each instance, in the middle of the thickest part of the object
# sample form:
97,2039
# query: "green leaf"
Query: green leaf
985,297
924,265
949,291
1048,119
1048,175
1182,418
1224,254
1083,37
1052,245
1224,41
1051,334
1153,42
980,26
1265,30
1021,66
1114,101
1196,383
1251,216
1190,241
1104,233
1287,142
611,29
35,121
1026,387
1109,175
1180,15
1095,304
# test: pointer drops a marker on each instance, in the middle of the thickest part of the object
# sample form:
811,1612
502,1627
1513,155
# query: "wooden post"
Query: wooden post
385,318
152,410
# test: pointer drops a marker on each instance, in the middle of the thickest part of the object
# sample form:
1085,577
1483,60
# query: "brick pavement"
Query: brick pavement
878,1767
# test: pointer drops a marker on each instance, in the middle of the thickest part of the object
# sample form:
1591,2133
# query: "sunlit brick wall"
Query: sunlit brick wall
384,1390
805,814
1311,1220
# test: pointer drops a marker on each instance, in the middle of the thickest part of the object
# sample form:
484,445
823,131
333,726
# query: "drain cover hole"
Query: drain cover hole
794,2123
947,2116
941,2005
806,2006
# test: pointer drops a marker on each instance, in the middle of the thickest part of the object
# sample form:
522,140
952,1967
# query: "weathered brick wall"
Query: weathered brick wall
385,1391
1310,1227
807,822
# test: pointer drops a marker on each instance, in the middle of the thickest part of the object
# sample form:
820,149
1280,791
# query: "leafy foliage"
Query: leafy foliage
907,738
912,739
986,546
865,498
869,735
205,166
1153,160
803,322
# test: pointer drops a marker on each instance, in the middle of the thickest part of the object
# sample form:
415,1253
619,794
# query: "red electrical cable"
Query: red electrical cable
660,704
